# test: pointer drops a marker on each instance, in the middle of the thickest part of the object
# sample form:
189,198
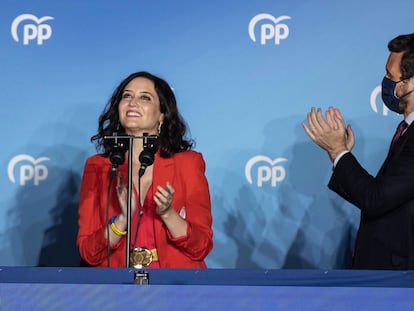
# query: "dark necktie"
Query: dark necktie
401,127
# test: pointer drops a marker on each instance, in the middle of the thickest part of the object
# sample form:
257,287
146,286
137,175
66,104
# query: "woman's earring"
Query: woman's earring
159,128
117,126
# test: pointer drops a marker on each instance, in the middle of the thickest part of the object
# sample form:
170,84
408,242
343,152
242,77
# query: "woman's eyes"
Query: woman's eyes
141,98
145,98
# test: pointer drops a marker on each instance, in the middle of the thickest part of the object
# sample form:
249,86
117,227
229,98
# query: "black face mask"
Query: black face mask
388,94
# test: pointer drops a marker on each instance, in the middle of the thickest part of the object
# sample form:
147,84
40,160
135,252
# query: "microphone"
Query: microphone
147,155
117,156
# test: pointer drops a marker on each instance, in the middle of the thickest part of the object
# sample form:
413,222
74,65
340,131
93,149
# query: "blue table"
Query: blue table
30,288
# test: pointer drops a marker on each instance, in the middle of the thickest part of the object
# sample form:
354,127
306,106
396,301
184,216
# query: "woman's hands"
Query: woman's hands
163,198
122,192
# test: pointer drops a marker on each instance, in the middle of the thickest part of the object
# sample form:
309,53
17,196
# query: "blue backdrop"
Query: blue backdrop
245,74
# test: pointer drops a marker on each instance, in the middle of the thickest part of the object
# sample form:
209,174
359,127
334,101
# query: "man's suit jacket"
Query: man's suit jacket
185,171
385,238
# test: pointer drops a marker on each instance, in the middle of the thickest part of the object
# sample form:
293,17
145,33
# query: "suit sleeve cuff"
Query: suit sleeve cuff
338,157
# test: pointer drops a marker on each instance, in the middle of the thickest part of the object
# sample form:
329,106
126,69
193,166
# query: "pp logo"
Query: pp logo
266,171
33,29
29,169
273,30
373,101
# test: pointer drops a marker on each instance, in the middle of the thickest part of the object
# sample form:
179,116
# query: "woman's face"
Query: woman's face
139,108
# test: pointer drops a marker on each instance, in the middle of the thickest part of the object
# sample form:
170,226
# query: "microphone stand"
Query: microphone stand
129,191
129,202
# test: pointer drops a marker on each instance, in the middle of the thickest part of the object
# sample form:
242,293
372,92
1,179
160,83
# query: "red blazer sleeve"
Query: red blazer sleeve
197,204
91,239
198,210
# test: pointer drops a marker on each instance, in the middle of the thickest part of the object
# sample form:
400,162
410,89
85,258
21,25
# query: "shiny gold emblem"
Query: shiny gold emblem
140,257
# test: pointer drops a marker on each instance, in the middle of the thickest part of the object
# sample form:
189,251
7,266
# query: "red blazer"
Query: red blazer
185,171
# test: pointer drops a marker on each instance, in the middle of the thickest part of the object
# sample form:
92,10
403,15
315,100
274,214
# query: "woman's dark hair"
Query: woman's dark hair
173,129
404,43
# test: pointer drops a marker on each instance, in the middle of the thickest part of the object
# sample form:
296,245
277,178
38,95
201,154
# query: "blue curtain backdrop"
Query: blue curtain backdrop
245,74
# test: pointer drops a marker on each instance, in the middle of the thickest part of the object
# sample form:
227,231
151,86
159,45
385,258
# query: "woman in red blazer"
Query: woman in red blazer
170,210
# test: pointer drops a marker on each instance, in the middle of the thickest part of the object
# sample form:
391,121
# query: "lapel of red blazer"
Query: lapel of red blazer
163,170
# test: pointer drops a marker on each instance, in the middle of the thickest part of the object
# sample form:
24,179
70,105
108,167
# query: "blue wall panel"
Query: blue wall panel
244,101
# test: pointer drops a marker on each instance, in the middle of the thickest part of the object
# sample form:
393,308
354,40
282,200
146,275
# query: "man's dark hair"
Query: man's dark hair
405,44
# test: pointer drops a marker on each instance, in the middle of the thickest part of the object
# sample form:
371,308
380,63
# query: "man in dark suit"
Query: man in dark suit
385,238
